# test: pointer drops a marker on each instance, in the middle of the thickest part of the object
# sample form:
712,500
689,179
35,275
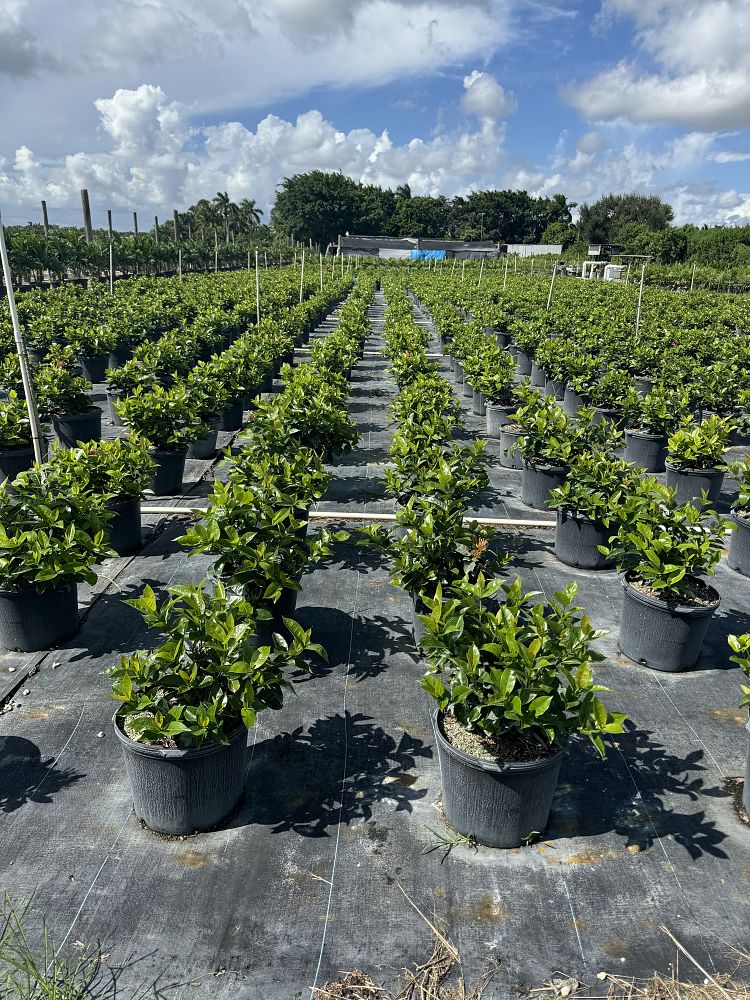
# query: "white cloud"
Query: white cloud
730,157
485,98
155,161
704,66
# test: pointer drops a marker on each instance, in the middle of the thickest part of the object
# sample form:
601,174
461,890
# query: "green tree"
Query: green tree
602,221
559,232
422,216
318,206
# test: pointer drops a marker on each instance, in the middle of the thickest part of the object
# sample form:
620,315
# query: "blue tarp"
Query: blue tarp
428,255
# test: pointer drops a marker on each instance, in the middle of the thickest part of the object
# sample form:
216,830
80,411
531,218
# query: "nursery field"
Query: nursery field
339,855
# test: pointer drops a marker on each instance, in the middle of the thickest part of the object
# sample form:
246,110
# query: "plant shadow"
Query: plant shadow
335,772
635,793
25,777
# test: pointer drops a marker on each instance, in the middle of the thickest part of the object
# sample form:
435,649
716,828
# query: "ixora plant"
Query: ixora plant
649,421
117,472
740,645
695,460
166,419
587,506
513,683
739,546
546,444
94,344
63,395
16,451
186,706
457,470
664,550
50,540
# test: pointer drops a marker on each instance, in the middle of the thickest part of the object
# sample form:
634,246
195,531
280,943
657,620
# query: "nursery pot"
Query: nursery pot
15,460
74,427
478,406
94,367
417,629
503,339
31,620
499,803
466,389
554,387
124,526
538,378
205,447
168,472
572,402
663,635
689,482
739,545
231,416
643,386
179,792
602,413
523,363
284,607
538,479
119,356
114,396
458,373
649,451
497,417
746,788
509,457
577,539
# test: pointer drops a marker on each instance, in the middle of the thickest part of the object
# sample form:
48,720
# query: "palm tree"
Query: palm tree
249,213
205,215
226,207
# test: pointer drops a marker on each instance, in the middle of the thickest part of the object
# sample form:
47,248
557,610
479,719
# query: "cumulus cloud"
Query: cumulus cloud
156,160
730,157
703,80
485,98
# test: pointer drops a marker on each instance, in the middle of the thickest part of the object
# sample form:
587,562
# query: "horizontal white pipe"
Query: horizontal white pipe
332,515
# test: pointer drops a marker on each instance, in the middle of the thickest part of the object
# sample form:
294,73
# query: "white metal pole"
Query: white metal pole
248,260
481,268
463,269
302,276
179,263
505,276
23,358
692,280
551,286
265,257
627,276
454,267
257,290
640,300
321,272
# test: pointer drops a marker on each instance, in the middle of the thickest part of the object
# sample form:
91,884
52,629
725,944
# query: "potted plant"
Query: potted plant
740,644
123,380
49,542
664,550
649,421
545,444
16,450
115,471
93,345
738,557
208,397
64,396
587,506
610,394
165,418
513,684
694,463
496,386
186,706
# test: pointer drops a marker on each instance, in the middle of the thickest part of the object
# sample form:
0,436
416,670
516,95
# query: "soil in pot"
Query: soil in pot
663,634
74,427
168,472
15,460
649,451
577,541
30,620
124,527
179,792
738,557
510,458
205,447
688,483
94,368
538,480
499,799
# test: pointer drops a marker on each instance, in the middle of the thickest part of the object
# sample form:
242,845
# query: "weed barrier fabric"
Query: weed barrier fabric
343,789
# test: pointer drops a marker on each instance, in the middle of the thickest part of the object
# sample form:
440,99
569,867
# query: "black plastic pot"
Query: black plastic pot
577,539
523,363
500,804
284,607
572,402
112,398
178,792
643,385
168,472
602,413
509,457
689,483
15,460
746,788
124,526
417,629
649,451
554,387
466,389
458,373
231,416
205,447
738,557
478,406
663,635
30,620
267,384
95,367
538,480
74,427
503,339
120,356
497,417
538,378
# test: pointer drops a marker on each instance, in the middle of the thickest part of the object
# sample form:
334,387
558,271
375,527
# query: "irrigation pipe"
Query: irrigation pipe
334,515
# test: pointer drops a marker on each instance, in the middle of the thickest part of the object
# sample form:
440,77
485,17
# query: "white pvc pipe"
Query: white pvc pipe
333,515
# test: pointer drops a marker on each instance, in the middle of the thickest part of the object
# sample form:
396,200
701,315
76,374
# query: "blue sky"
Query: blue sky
177,99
